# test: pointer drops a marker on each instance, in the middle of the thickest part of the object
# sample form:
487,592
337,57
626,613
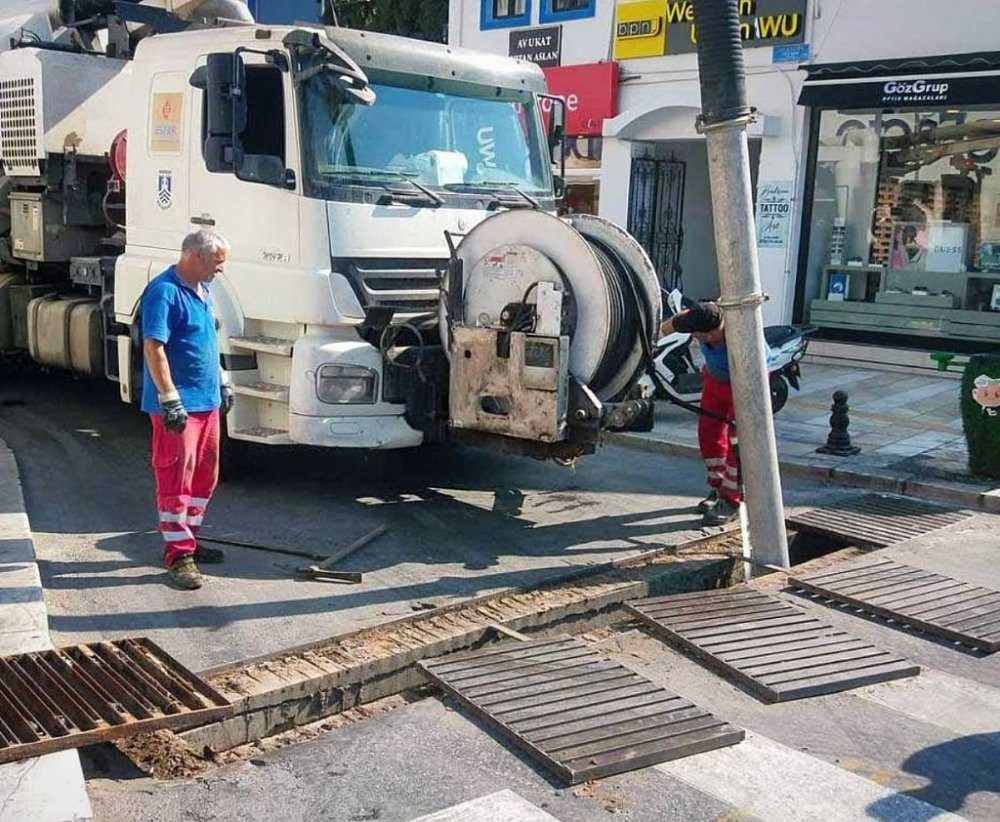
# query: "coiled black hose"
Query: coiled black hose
720,61
625,317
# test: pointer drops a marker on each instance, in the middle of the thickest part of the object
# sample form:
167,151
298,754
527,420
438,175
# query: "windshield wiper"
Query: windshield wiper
496,199
433,196
392,194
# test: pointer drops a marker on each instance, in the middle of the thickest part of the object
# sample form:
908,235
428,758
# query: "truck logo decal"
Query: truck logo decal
166,118
165,189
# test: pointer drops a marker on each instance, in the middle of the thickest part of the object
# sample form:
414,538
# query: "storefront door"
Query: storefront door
656,214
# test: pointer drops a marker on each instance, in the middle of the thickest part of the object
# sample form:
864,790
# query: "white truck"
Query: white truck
397,274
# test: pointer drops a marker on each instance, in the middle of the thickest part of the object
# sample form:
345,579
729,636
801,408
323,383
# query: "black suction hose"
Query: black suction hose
624,317
720,61
631,315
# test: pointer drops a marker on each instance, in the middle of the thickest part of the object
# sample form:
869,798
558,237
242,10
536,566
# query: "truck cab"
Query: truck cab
336,172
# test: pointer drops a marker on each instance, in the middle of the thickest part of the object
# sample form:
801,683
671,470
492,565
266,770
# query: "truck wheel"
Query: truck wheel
779,392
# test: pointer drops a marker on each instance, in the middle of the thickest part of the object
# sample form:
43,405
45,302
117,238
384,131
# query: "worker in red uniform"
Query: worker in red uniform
183,390
705,322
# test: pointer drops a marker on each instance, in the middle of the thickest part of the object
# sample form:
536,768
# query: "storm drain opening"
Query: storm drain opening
82,694
805,546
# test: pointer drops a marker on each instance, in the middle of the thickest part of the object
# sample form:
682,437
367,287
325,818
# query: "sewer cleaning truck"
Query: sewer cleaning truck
397,274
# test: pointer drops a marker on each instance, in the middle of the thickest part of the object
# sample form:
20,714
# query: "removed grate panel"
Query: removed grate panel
934,603
581,715
51,700
876,520
777,650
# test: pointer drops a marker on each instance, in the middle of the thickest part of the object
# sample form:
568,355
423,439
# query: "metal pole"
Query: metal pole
724,119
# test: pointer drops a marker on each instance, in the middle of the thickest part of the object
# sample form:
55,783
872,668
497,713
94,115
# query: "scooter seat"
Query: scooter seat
777,335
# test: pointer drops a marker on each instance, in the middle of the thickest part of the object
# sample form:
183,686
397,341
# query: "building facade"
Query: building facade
878,215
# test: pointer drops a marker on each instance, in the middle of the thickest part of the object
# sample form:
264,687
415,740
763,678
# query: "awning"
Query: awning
914,82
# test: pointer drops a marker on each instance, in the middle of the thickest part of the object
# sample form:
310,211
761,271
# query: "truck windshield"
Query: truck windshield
442,141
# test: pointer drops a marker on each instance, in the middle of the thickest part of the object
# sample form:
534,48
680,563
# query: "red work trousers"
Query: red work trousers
714,438
186,467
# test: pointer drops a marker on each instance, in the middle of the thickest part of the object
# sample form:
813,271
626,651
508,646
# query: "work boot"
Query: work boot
184,574
723,513
209,556
710,501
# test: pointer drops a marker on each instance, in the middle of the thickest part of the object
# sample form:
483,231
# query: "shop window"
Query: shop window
498,14
556,11
905,230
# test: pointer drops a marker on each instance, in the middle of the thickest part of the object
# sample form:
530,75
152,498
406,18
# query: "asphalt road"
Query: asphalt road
84,461
912,750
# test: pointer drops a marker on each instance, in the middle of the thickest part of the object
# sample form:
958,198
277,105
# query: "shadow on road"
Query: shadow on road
463,522
955,771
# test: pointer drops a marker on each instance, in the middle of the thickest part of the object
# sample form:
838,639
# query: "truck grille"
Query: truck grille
412,287
18,128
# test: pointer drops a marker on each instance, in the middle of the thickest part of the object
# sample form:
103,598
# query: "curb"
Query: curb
28,788
833,472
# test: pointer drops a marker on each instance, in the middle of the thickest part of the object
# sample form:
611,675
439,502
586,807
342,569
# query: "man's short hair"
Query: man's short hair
699,319
203,243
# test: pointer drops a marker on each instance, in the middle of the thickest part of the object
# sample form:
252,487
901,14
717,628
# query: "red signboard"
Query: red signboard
591,92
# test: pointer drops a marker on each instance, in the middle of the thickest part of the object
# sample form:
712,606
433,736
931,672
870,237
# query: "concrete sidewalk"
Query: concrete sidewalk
49,788
907,425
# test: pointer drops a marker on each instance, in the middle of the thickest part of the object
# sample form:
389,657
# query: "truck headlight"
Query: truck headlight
346,384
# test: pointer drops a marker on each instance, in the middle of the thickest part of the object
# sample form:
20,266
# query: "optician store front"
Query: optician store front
901,218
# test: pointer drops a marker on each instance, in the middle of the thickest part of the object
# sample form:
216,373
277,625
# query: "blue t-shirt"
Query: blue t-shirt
174,314
716,359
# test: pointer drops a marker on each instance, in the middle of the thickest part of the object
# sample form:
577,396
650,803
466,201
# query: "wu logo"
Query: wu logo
165,189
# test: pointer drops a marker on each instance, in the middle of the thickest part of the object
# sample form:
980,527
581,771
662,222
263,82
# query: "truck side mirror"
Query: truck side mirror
556,133
224,82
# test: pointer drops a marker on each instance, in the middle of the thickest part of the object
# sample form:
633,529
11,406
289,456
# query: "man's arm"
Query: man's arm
171,408
155,353
667,326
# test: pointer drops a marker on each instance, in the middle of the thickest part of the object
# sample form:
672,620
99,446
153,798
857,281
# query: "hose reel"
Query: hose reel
546,320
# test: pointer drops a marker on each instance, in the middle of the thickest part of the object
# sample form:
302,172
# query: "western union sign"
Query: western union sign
640,29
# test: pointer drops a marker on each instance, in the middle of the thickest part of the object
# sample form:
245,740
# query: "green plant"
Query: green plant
982,429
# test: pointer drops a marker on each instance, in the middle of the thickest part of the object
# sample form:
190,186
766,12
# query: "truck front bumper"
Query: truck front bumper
353,432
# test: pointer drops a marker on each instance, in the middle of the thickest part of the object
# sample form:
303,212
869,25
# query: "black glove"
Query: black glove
175,416
228,398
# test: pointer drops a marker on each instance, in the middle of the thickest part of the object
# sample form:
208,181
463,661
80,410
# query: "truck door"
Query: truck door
260,222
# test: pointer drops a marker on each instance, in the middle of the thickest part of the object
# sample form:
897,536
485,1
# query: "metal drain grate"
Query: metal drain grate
581,715
51,700
932,602
776,649
876,520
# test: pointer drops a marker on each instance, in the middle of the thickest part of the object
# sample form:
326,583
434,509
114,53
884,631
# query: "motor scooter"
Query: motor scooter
681,378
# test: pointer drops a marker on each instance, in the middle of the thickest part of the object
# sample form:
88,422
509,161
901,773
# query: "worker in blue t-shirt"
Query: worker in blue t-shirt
704,321
183,390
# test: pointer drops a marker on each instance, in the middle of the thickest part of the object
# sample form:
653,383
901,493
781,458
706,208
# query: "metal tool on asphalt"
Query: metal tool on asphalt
323,572
258,547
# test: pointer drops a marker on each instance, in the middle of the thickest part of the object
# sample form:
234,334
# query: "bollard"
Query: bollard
838,442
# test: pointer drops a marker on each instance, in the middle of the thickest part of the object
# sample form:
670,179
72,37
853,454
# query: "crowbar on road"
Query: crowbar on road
324,571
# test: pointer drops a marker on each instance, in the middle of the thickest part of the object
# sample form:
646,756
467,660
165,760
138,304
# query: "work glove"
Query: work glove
227,397
175,416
